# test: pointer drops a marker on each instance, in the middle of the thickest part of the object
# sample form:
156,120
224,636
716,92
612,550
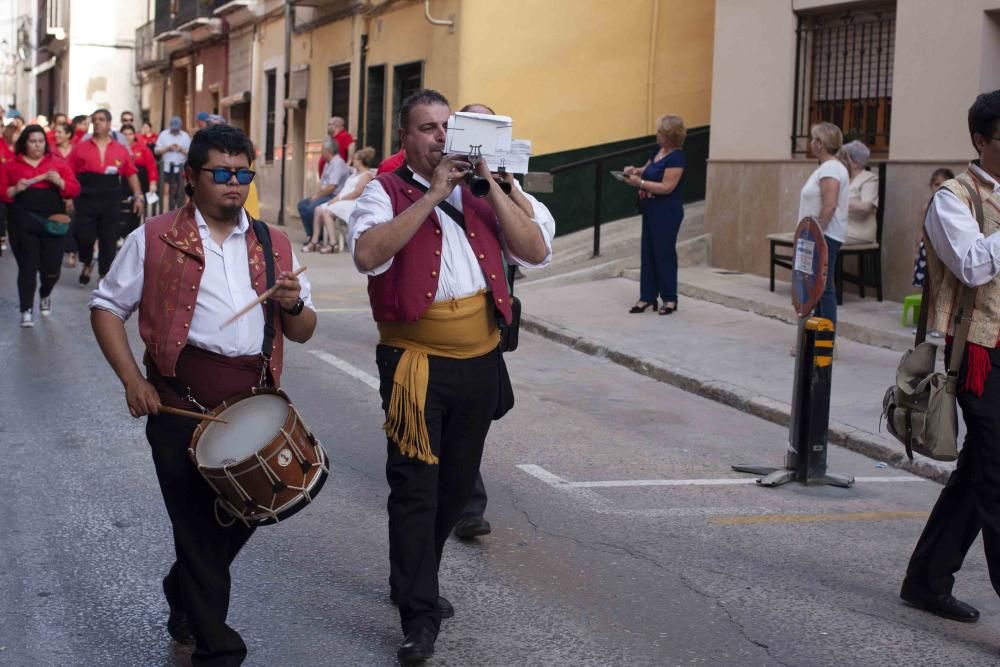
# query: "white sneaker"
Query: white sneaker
27,320
45,306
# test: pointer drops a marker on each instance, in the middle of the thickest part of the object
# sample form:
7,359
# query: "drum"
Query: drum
264,464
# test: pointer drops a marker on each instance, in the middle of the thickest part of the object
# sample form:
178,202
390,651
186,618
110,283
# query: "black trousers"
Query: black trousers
38,255
425,501
476,506
198,582
970,501
96,219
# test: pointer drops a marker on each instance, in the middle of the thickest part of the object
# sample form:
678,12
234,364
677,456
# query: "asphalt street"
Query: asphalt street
603,550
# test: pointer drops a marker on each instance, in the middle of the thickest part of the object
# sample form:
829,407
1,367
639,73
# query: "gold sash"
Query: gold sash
459,329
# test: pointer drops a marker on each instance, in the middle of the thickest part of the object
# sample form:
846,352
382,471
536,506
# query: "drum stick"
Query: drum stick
261,299
192,415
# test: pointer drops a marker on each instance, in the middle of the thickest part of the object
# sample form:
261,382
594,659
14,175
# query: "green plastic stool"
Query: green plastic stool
911,308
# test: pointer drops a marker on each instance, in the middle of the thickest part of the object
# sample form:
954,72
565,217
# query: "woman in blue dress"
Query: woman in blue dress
659,183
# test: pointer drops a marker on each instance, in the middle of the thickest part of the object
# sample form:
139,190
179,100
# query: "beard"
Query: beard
230,210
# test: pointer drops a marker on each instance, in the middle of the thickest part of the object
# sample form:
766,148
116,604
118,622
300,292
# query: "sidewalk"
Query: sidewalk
729,355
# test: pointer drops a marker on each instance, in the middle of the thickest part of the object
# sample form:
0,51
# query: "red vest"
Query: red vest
175,262
408,287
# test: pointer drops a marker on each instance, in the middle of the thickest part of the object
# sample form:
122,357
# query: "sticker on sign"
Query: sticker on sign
804,251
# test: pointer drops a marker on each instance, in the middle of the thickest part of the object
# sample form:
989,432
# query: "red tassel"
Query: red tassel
979,367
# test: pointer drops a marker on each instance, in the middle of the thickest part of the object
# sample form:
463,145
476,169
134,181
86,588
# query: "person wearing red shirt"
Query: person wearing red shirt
35,185
80,126
145,165
148,137
100,164
343,140
6,155
393,162
50,134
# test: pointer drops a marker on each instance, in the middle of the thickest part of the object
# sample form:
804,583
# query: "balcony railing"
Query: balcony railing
177,15
148,52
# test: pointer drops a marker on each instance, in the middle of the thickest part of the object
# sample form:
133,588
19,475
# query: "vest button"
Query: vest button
482,256
189,307
434,274
201,268
493,276
178,343
437,231
429,295
437,252
194,287
499,300
472,235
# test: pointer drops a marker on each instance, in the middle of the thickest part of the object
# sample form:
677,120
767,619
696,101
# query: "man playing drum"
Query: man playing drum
180,271
434,255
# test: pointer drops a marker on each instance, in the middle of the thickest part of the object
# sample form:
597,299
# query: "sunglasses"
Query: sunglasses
222,175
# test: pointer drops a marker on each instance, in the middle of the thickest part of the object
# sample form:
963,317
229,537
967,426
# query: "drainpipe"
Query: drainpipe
450,21
651,66
284,124
361,91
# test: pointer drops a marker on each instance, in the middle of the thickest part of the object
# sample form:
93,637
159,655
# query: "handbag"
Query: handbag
921,409
55,225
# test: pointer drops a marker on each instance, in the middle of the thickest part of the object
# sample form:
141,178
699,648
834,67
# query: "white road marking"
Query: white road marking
350,369
559,483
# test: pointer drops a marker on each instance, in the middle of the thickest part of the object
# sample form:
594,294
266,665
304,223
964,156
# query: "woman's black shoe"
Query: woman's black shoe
668,308
85,275
643,308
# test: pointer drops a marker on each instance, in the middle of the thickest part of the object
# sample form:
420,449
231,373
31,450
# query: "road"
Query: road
599,554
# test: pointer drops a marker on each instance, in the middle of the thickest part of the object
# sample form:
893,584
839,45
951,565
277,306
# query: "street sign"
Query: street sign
809,266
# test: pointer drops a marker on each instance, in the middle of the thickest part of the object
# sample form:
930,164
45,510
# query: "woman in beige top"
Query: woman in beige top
863,195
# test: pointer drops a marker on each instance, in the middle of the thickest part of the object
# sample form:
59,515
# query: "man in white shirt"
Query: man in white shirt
962,255
434,256
187,274
172,148
335,172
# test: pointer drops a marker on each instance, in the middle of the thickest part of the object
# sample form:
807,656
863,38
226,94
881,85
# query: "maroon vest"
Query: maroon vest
175,262
408,287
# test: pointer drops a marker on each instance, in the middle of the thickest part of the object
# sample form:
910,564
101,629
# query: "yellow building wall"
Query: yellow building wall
269,49
575,73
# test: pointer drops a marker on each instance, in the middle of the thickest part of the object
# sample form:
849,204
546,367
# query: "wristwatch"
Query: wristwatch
296,309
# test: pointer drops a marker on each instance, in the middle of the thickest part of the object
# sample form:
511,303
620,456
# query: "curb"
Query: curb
777,412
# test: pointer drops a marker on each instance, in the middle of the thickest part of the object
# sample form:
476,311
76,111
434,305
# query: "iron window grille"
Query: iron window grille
843,67
271,79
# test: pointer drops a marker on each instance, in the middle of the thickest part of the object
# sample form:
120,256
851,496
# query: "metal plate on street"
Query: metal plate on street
809,266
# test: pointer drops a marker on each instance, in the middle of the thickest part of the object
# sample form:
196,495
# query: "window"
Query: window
271,85
844,76
340,92
406,80
375,110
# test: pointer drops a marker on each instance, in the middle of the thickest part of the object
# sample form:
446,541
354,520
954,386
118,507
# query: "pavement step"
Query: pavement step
731,356
862,320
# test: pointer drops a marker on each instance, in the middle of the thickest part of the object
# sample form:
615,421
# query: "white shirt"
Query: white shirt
954,233
167,138
811,198
461,273
225,289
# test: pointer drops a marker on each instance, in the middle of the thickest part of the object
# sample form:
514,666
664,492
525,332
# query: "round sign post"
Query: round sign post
805,459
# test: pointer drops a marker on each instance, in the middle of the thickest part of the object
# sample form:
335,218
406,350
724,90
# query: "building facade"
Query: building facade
568,85
899,76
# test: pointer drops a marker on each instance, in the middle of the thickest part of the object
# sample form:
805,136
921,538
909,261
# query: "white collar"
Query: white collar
981,173
241,227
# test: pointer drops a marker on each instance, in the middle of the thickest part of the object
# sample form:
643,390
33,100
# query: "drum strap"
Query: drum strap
264,238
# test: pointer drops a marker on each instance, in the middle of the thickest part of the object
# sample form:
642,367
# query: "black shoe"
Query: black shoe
646,305
944,605
668,308
177,623
445,608
85,274
417,647
471,525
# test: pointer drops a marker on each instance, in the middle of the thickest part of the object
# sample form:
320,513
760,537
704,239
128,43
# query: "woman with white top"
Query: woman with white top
824,197
862,200
333,215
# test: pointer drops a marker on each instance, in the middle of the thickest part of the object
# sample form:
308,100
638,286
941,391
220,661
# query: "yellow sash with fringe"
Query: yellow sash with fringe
459,329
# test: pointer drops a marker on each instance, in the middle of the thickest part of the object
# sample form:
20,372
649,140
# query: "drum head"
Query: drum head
253,423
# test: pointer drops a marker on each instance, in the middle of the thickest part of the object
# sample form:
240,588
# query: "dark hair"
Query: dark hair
21,146
127,126
79,119
943,172
122,115
223,138
984,115
67,128
423,96
105,112
59,113
468,107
